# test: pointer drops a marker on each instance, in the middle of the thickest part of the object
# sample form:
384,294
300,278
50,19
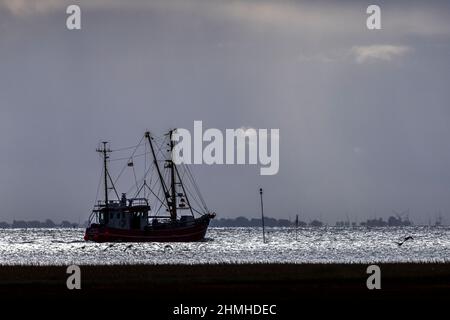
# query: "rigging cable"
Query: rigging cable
126,164
162,202
145,168
98,190
125,148
113,186
138,182
195,199
135,178
197,189
182,187
129,158
99,183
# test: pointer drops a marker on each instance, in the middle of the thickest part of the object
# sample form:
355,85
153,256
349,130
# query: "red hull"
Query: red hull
170,232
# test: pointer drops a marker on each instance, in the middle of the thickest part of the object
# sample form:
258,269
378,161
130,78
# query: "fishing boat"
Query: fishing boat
155,212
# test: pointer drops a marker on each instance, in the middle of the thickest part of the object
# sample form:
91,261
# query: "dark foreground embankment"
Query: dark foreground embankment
161,287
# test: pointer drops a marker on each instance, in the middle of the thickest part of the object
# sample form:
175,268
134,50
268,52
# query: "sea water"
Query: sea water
232,245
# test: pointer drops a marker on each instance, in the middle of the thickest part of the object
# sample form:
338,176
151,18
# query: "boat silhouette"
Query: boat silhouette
133,220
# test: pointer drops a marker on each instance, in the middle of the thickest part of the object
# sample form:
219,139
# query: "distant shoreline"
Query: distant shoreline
233,223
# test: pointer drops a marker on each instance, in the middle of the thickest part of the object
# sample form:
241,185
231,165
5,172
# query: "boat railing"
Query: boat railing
131,203
101,203
138,202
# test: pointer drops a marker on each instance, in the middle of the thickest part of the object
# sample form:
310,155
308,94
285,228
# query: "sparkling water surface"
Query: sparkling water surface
232,245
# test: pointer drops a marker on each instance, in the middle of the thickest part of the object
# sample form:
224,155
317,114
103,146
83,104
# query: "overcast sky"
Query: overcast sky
364,116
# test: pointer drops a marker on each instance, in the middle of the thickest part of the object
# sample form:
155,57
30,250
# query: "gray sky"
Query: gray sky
364,116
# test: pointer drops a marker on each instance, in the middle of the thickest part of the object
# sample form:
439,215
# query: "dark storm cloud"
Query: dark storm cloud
363,115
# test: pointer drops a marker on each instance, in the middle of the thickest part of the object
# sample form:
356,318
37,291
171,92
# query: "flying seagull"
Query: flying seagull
128,247
110,246
404,240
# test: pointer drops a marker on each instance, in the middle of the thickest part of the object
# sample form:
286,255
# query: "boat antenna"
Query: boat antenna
262,214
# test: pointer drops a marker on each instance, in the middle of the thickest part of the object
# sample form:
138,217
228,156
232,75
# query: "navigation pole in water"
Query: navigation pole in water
262,214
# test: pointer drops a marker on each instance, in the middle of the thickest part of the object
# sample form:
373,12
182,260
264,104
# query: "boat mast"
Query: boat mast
173,213
105,151
166,193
